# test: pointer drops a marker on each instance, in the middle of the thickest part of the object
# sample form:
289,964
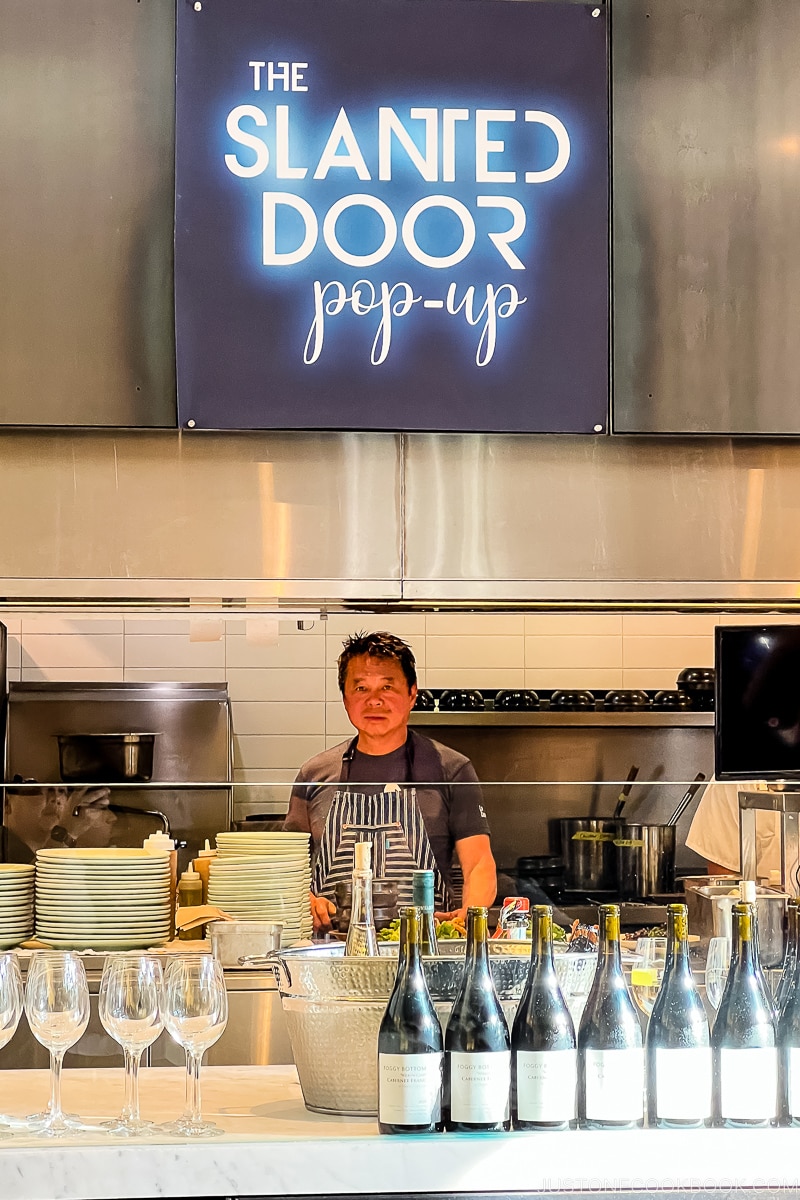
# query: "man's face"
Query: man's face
377,697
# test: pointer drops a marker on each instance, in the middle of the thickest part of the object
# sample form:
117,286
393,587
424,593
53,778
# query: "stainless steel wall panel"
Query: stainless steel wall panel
116,514
86,180
523,517
706,224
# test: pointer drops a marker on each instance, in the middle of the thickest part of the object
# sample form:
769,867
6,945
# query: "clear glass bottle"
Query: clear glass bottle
477,1071
543,1055
410,1048
677,1044
610,1049
423,897
744,1040
362,940
789,968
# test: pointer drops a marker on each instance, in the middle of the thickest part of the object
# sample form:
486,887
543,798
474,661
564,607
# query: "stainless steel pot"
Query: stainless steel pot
238,943
587,848
106,757
645,860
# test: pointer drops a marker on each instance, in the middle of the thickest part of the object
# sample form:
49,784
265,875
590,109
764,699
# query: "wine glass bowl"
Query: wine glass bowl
11,1003
130,1010
646,975
195,1015
718,962
57,1008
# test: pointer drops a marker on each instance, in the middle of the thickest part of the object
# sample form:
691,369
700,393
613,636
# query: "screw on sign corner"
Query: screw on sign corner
190,424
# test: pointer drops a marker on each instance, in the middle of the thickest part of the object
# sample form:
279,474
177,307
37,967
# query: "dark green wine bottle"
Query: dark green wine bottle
743,1039
477,1060
677,1044
543,1055
788,971
610,1049
423,896
409,1043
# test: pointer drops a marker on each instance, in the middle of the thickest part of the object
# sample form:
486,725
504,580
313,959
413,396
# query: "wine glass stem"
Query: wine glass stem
132,1061
193,1067
56,1060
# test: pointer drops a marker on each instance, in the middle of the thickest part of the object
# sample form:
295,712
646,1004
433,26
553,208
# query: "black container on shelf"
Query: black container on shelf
698,683
425,701
572,701
626,700
461,700
513,700
672,700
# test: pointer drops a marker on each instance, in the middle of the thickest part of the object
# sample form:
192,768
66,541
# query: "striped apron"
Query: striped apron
392,821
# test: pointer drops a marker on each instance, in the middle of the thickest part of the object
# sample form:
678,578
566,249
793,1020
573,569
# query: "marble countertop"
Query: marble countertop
272,1146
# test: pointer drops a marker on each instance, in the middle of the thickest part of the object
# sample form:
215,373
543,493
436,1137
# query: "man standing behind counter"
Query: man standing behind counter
417,801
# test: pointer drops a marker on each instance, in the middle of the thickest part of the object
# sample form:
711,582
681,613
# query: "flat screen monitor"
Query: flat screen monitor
757,729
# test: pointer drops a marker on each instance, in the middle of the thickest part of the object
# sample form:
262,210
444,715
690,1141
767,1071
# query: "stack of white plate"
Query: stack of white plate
102,899
16,904
263,877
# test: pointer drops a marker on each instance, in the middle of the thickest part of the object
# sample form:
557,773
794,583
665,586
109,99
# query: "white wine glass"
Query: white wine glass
646,975
57,1008
11,1002
718,963
131,1013
195,1014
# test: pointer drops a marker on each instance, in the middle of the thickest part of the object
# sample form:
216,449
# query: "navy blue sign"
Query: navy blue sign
392,214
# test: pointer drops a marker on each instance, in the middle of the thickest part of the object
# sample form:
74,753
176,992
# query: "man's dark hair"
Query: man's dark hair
377,645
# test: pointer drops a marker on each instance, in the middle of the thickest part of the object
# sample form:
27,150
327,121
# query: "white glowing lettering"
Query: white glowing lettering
271,257
493,309
390,124
502,241
389,230
342,134
282,168
342,150
254,143
562,140
273,201
467,231
484,145
393,302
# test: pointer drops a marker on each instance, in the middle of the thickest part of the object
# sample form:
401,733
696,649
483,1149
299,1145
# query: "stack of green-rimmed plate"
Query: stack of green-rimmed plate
264,877
102,899
16,904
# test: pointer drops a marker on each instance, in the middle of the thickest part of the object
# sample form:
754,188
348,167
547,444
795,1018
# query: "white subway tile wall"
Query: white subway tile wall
286,703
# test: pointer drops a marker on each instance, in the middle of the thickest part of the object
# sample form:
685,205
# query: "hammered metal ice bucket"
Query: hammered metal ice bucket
333,1007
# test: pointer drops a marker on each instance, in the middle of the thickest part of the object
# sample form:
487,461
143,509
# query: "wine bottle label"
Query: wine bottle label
748,1084
409,1088
546,1085
615,1084
479,1086
683,1084
793,1081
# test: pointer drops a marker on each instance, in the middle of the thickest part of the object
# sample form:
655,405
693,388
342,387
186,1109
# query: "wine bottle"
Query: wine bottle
677,1044
610,1049
743,1039
543,1056
422,888
788,971
362,939
477,1047
409,1043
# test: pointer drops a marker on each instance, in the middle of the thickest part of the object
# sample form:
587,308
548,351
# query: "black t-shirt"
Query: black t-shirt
447,789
